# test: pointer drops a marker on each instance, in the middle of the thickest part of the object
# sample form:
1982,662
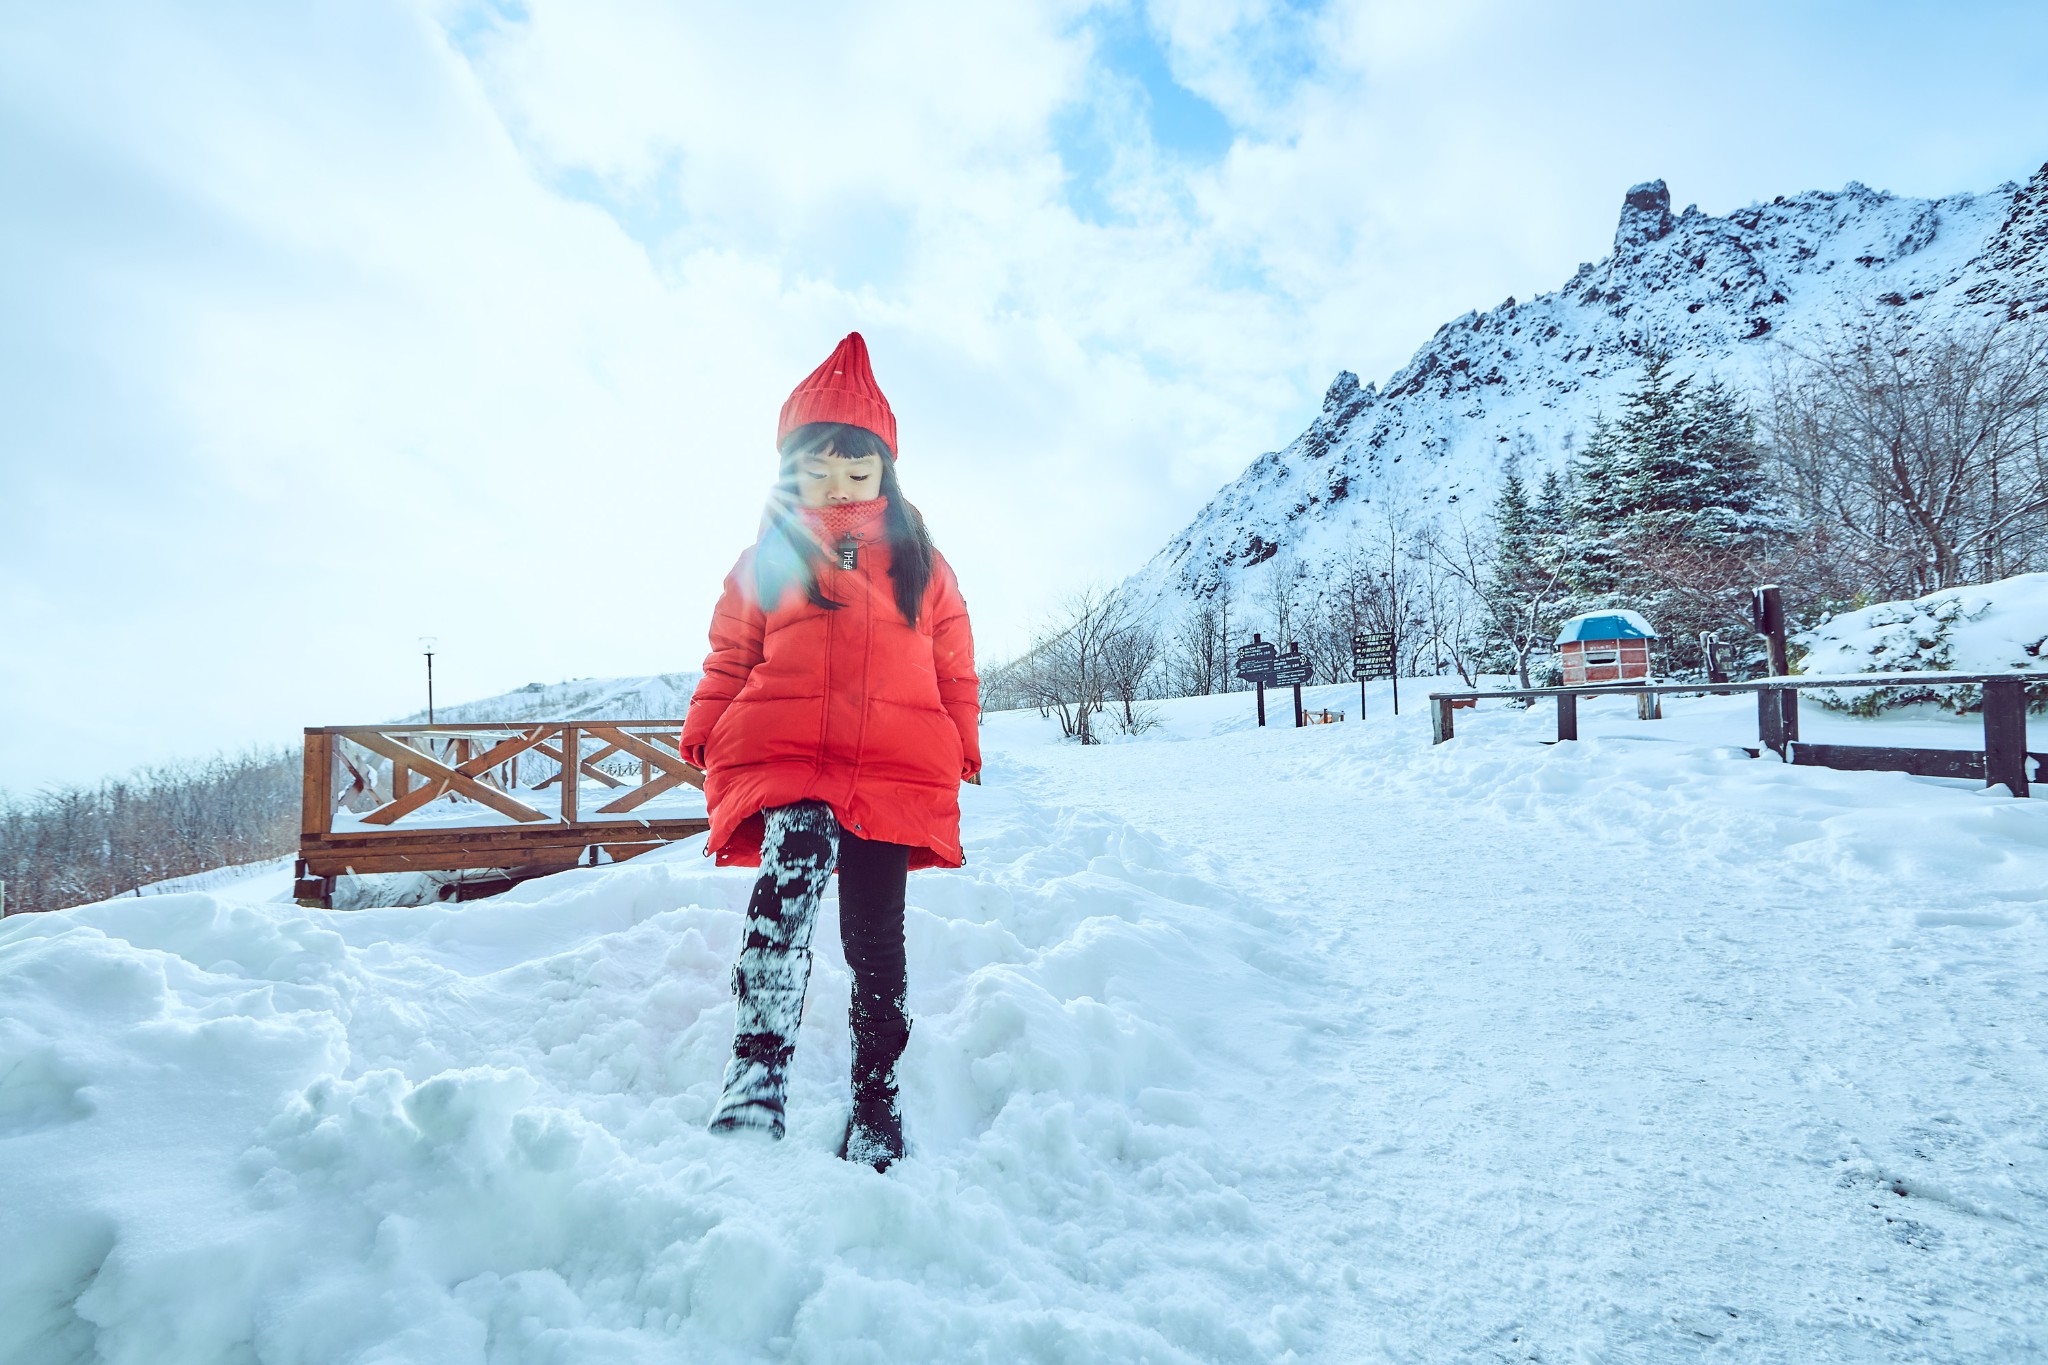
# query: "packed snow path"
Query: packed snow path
1640,1043
1231,1046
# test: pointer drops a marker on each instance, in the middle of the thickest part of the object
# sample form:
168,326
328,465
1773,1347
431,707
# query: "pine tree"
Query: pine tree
1730,497
1667,511
1551,513
1523,587
1514,528
1660,449
1597,516
1601,484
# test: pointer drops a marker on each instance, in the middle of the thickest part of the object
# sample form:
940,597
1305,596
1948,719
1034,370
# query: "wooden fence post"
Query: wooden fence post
572,772
1649,706
1567,715
1770,721
316,791
1441,726
2005,735
1768,607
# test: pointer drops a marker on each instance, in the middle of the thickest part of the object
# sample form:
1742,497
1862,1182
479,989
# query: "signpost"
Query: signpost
1710,649
1292,670
1777,715
1255,663
1372,657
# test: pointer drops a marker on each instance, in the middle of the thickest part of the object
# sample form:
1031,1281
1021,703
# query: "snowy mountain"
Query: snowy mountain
660,696
1522,383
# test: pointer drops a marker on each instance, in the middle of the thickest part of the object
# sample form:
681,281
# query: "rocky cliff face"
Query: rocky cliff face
1522,383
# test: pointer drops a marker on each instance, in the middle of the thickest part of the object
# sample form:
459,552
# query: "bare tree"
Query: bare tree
1226,649
1008,686
1093,649
1279,597
1445,608
1130,651
1513,605
1386,565
1920,458
1200,650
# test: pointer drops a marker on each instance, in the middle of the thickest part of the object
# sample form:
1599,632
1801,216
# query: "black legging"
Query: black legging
801,845
872,876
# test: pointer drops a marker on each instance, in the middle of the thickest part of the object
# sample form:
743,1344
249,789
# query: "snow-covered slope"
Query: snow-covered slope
660,696
1523,382
1231,1045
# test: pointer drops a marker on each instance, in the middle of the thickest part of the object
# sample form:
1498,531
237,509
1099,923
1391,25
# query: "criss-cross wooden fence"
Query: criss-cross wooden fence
2004,759
450,798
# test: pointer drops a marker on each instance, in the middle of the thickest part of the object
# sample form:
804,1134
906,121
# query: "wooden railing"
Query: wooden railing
402,798
2003,759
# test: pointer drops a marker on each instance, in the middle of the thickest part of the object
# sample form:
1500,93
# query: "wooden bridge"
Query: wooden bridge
489,797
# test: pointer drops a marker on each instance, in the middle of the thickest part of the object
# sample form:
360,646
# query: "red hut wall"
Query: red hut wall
1604,661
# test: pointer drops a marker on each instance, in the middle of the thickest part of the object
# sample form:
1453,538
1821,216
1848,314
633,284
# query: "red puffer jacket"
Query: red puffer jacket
852,707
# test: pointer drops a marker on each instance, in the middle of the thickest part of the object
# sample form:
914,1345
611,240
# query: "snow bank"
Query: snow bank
251,1132
1231,1045
1985,628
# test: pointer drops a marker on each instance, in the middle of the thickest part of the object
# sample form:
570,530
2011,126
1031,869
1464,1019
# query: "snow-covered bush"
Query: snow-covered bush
1983,628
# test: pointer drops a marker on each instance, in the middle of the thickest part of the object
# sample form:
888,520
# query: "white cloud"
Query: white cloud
333,324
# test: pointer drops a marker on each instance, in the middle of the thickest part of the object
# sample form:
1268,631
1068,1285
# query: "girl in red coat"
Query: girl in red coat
835,723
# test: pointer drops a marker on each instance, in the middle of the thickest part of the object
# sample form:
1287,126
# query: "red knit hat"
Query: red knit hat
843,389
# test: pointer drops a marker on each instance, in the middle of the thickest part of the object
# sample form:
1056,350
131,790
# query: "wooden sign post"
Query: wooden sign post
1292,670
1255,663
1710,650
1777,713
1372,658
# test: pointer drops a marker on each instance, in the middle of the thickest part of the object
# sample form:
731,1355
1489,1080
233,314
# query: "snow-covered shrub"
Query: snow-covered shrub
1984,628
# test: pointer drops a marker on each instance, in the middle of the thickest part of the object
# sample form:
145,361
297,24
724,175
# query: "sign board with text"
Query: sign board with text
1372,655
1291,669
1255,662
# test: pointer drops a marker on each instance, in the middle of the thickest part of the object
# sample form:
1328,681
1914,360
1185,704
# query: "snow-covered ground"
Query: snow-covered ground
1232,1045
268,880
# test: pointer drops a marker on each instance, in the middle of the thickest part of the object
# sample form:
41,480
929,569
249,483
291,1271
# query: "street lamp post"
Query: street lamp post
427,643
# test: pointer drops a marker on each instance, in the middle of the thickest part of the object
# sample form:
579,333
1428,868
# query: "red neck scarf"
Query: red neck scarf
861,520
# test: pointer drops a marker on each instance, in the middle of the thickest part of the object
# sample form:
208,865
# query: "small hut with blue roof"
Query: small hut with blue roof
1605,647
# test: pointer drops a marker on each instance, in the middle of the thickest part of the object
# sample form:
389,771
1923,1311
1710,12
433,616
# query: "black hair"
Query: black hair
789,553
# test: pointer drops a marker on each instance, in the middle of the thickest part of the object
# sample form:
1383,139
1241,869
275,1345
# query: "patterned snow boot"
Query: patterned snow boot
874,1129
798,848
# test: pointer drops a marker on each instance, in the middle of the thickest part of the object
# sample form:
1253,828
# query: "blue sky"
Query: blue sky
1146,104
325,325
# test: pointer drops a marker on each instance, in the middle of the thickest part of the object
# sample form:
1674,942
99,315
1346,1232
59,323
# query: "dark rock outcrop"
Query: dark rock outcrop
1645,217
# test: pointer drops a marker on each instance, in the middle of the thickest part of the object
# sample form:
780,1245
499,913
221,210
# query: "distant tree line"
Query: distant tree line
73,845
1880,462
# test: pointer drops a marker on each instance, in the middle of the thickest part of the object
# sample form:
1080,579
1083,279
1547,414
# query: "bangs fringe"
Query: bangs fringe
788,554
